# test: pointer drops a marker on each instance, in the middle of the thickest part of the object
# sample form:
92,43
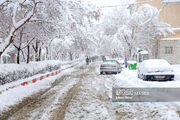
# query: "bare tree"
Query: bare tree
16,25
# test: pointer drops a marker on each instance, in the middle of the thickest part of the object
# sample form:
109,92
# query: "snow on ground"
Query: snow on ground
15,95
88,103
129,79
148,111
177,72
94,99
32,67
91,98
13,72
3,87
54,100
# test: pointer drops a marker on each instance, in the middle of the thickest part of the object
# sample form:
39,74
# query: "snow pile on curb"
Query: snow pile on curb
16,95
177,72
13,72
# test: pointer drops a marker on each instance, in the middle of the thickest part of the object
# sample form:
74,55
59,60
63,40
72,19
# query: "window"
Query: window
168,50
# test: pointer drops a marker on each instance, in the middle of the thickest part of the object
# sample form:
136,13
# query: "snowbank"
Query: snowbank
177,71
16,95
13,72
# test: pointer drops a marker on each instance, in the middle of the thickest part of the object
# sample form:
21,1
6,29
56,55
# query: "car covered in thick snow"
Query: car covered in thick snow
155,69
110,66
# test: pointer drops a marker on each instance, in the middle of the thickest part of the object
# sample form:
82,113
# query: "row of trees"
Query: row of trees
126,28
53,29
66,29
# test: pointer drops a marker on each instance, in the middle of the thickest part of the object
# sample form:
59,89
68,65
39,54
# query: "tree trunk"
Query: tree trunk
1,54
70,56
36,50
28,54
18,56
39,57
130,53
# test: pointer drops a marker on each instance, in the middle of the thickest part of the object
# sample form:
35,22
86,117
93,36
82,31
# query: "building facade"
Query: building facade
169,50
169,46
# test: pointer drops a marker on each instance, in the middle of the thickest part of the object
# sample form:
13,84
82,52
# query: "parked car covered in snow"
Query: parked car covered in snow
155,69
110,66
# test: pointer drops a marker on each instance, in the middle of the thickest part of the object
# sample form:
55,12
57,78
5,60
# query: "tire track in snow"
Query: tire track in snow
88,103
42,105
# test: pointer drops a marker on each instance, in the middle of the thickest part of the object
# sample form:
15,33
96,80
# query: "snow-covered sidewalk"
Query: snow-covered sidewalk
16,95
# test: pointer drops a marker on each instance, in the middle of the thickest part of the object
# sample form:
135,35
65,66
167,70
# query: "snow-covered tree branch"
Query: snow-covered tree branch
17,25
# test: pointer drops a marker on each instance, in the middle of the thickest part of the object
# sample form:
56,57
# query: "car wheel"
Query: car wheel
101,73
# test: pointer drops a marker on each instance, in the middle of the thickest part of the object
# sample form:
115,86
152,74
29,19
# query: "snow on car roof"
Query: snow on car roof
155,63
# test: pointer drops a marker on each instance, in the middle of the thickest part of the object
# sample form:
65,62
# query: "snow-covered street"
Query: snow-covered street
81,93
89,60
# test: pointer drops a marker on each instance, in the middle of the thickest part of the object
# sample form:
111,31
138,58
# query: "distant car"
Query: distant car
110,66
155,69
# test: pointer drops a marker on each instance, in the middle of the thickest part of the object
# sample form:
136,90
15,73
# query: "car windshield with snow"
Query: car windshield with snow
155,69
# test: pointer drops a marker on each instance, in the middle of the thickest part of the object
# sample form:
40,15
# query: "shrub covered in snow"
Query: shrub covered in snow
13,72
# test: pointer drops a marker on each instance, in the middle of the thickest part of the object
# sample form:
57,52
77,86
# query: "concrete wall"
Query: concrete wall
173,58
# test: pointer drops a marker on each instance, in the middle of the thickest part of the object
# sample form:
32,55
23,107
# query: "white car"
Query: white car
155,69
